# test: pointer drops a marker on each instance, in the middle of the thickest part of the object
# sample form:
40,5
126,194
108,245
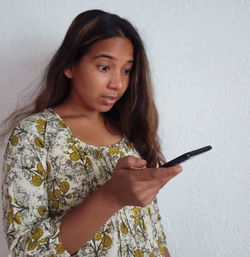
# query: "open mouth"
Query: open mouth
109,99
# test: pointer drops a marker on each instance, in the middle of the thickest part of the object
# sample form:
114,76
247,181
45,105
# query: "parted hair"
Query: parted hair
134,115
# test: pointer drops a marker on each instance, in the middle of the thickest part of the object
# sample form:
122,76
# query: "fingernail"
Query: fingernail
141,162
178,168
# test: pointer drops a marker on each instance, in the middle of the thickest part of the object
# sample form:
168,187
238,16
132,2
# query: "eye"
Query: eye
103,68
127,71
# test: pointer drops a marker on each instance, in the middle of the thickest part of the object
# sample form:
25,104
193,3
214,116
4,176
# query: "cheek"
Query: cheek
95,77
126,82
90,80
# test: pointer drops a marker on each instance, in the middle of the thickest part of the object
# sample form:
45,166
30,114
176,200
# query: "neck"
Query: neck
73,109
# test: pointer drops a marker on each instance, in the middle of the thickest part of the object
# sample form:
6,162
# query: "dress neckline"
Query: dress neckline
80,141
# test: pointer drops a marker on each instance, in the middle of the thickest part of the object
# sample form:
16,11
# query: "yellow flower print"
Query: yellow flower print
123,228
10,216
159,216
69,140
113,150
74,148
97,236
129,145
40,167
59,239
36,233
98,154
74,156
144,226
164,236
39,128
52,255
17,218
106,241
48,167
82,156
10,198
8,167
50,195
122,153
136,212
69,196
14,140
36,180
39,142
138,253
32,246
42,210
57,193
88,161
109,230
136,220
55,204
41,122
151,255
162,249
149,212
62,124
59,249
64,186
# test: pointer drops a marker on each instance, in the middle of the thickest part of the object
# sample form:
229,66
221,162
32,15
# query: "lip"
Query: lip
109,100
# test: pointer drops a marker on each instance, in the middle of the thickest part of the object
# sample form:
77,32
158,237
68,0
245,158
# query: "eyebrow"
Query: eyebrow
110,57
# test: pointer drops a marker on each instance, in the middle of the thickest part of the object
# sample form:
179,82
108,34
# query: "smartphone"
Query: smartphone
185,156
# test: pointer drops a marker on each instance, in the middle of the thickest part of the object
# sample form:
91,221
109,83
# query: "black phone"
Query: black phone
185,156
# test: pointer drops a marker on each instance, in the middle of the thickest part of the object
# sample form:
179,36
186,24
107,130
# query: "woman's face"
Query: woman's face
102,75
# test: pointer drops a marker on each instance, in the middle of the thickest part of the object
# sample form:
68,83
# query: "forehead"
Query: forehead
116,47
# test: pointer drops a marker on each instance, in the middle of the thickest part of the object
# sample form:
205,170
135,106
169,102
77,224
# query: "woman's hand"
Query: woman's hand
166,253
132,184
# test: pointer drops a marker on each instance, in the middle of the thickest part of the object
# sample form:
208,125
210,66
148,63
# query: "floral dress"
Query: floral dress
48,171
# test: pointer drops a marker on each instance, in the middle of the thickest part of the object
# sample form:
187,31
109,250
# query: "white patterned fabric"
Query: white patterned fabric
48,171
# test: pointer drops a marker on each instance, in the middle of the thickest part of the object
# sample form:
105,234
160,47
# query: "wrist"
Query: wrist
110,198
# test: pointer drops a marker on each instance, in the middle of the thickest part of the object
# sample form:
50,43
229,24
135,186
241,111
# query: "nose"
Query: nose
116,81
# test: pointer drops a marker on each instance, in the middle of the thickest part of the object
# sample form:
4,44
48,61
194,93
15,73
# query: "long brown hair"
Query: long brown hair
135,114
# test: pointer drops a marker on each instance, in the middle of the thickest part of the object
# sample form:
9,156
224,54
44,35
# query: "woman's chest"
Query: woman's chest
78,170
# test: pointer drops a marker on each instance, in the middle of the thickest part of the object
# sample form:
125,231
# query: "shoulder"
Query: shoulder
31,128
33,120
40,130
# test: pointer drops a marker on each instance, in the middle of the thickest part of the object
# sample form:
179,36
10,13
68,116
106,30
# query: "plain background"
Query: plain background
199,52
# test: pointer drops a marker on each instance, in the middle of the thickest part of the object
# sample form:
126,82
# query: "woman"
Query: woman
80,167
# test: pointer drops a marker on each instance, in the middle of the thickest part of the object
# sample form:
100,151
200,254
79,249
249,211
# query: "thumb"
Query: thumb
131,161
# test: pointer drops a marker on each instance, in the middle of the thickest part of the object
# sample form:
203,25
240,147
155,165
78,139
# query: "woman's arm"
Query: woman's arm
79,225
29,228
126,187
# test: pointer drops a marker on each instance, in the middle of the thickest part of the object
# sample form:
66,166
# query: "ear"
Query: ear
68,72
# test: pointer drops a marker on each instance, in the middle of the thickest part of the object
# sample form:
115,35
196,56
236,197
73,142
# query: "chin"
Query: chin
106,109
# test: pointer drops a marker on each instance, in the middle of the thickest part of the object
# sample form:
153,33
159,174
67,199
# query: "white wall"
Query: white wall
199,53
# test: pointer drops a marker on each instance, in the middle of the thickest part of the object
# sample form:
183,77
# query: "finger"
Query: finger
130,162
164,174
158,184
168,172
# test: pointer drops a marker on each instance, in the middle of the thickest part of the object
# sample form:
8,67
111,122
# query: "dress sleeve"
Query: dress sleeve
28,225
